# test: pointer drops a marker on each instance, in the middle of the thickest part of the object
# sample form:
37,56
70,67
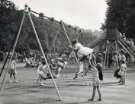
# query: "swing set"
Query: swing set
7,61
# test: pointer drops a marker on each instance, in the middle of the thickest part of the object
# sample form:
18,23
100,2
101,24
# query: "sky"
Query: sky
87,14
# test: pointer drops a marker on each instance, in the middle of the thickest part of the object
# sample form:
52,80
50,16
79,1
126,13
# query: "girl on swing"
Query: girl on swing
82,54
42,72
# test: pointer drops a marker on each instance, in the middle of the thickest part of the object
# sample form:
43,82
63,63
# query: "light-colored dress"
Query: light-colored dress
12,69
95,76
123,69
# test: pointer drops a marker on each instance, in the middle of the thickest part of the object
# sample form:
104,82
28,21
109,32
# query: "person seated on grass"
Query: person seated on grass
82,54
12,71
42,72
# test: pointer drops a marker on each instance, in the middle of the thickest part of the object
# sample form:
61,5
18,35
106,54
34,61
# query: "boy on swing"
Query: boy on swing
82,53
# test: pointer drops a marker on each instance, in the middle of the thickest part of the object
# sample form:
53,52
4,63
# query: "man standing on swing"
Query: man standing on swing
82,54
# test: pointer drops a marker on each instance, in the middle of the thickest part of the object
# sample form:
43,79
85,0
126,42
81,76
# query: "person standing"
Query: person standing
12,71
95,80
99,66
122,72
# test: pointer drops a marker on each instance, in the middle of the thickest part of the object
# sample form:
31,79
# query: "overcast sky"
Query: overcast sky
88,14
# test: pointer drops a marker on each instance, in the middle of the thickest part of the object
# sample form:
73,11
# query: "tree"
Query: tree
10,20
121,15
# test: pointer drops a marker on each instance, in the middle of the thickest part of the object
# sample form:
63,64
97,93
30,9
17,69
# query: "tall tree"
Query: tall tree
121,15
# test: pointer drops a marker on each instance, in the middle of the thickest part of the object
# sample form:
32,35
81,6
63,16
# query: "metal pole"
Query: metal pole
69,40
105,55
5,61
66,33
29,14
55,38
125,48
13,51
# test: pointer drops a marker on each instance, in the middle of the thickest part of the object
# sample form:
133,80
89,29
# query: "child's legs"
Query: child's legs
80,70
123,79
93,92
85,68
80,67
11,73
59,70
14,75
99,92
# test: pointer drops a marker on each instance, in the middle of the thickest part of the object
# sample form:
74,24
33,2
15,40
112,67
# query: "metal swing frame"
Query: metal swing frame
27,11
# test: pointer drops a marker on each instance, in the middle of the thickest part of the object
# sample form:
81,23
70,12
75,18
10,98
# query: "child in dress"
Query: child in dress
95,79
122,72
12,71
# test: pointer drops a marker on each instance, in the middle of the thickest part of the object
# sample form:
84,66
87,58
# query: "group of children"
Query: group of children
47,71
120,67
86,54
55,67
95,65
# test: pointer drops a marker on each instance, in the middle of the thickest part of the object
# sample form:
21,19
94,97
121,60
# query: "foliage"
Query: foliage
121,15
50,31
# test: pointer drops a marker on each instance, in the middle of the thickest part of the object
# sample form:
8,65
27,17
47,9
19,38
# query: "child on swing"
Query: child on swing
42,72
82,53
95,78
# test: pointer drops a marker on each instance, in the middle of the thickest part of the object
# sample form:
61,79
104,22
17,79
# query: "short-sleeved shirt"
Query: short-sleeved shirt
13,64
82,51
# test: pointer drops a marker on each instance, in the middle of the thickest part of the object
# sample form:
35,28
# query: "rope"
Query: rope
13,51
69,40
43,54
